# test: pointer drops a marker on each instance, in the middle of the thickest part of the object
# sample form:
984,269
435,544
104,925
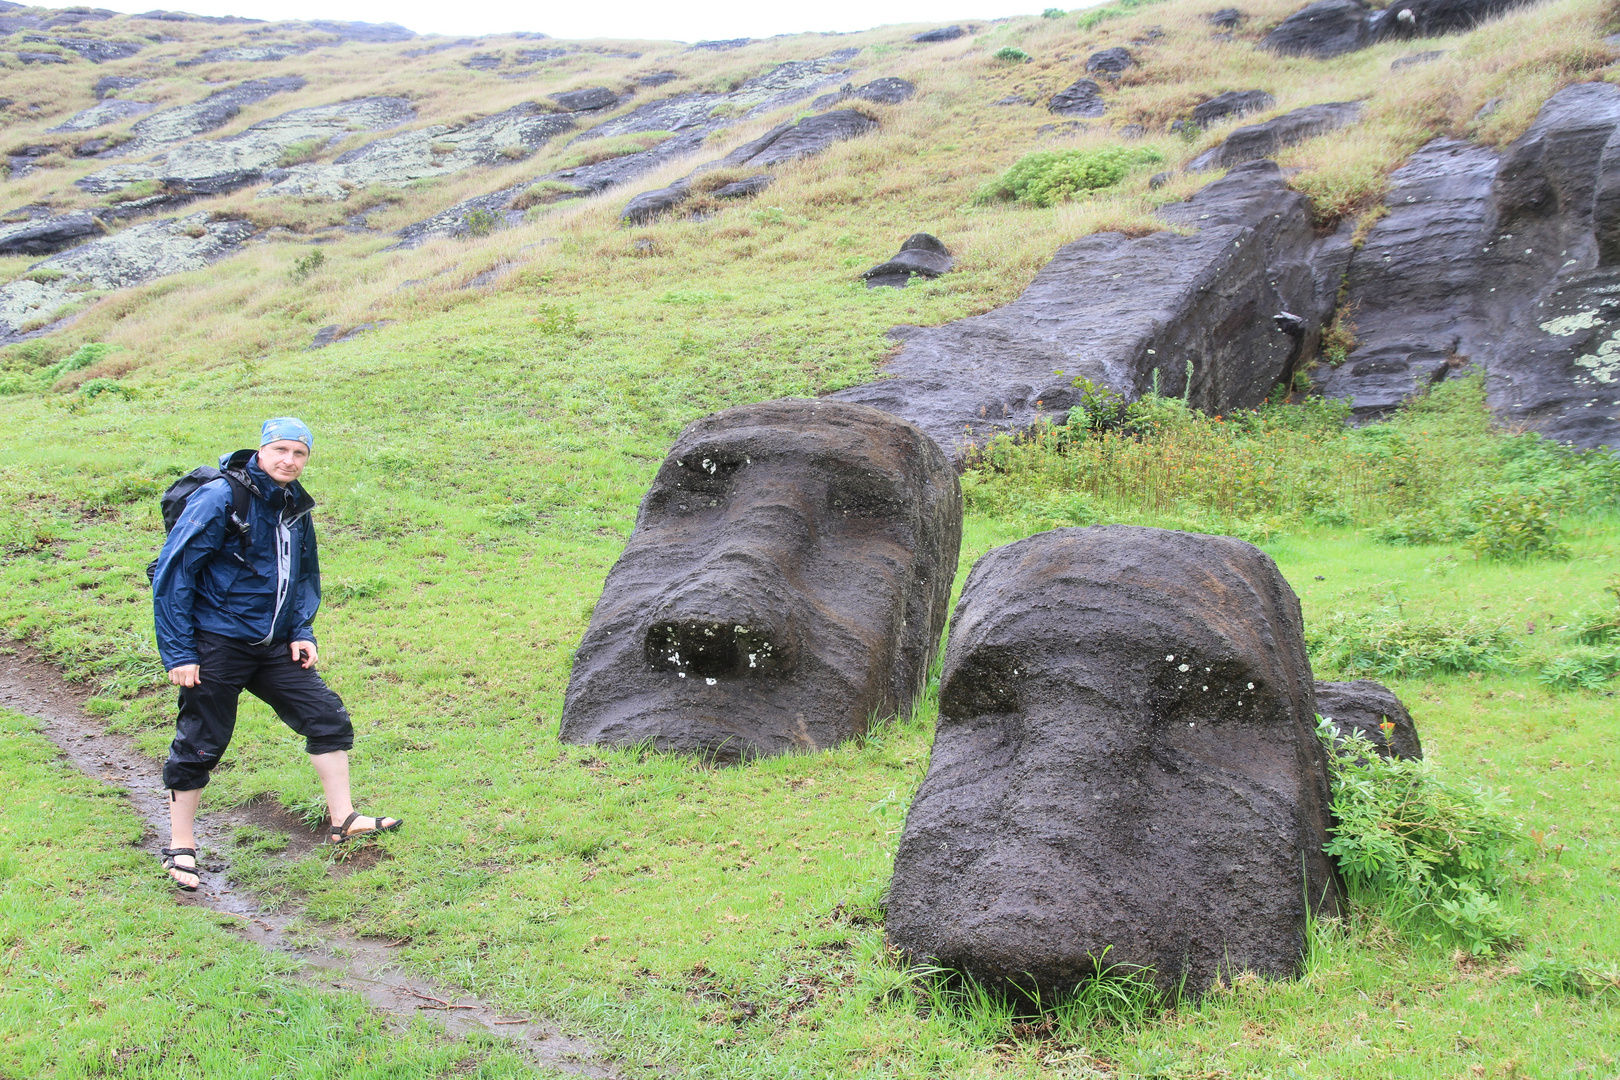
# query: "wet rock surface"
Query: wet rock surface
1125,769
1115,310
692,117
1508,261
183,122
922,254
1262,140
944,33
1083,97
115,111
246,54
1364,706
425,152
135,255
1331,27
1231,104
1109,62
108,85
591,97
787,582
886,91
46,234
784,143
98,50
1226,18
209,167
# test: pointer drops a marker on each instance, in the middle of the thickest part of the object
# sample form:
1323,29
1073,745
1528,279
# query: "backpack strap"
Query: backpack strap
241,485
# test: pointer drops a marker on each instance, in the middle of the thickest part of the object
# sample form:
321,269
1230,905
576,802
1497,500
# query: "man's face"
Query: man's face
786,583
283,460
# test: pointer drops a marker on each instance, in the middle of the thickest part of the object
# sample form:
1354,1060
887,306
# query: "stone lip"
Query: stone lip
1363,706
591,97
1116,310
45,235
690,116
1262,140
1230,104
1509,262
1125,770
786,583
783,143
921,254
1083,97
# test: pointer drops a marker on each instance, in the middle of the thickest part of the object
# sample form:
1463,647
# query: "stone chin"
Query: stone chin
786,584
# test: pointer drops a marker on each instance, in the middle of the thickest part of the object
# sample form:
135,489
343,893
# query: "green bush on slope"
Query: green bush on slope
1049,177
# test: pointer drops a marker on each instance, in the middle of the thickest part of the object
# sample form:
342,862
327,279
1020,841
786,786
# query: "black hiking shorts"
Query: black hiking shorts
268,672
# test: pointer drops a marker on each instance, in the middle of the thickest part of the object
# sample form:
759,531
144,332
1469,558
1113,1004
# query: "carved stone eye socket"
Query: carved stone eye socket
985,683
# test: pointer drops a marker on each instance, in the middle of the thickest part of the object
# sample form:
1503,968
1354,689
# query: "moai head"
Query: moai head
1125,770
786,583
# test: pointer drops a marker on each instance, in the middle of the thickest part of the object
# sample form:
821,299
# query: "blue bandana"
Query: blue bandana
286,427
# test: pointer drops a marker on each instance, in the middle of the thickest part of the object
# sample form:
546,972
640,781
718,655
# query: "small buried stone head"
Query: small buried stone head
787,579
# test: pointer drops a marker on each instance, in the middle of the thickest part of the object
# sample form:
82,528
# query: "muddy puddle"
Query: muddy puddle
332,957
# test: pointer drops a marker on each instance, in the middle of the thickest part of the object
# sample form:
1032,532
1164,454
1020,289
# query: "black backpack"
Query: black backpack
236,477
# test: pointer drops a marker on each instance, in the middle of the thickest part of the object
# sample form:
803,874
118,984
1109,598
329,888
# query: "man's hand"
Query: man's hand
186,675
303,652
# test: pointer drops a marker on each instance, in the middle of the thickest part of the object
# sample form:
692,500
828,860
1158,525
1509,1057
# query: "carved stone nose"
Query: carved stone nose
716,650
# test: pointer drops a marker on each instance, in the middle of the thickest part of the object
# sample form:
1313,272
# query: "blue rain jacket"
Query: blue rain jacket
266,592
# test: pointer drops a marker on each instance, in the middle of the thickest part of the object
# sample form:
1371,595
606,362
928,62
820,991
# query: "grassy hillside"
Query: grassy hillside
478,464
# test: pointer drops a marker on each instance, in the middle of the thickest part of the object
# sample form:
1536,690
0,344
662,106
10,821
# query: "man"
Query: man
234,601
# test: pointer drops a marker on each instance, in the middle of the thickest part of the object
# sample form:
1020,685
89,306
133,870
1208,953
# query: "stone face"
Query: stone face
1323,29
99,51
217,109
1364,706
114,84
1081,98
208,167
921,254
786,583
591,97
886,91
135,255
425,152
45,235
1510,262
115,111
1430,18
1109,61
1115,310
944,33
692,117
1262,140
1230,104
1125,769
245,54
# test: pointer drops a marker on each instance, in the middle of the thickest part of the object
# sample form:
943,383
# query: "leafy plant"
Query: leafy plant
556,320
1053,13
1514,524
1552,975
1585,667
1048,177
480,221
91,352
306,265
1427,849
1384,643
299,152
1011,54
1118,10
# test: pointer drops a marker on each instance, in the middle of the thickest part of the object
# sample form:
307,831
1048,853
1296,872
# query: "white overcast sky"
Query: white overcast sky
613,18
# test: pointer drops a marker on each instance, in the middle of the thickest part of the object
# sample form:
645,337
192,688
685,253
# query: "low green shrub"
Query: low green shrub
1048,177
1120,9
89,353
1514,524
1553,975
1053,13
1011,54
1384,643
481,222
306,265
1446,523
1584,667
1426,849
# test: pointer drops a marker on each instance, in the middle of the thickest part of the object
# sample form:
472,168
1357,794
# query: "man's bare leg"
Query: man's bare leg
183,834
333,769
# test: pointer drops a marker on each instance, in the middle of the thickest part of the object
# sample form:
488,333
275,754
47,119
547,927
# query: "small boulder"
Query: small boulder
1364,706
921,253
41,58
1110,62
1262,140
1226,18
1125,769
786,583
743,189
1232,103
1082,98
1323,29
591,97
944,33
1416,58
482,61
43,236
98,51
885,91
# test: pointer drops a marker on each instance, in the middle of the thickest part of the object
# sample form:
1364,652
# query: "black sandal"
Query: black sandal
340,834
168,856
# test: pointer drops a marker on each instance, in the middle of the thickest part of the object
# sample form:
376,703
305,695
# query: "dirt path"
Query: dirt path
338,959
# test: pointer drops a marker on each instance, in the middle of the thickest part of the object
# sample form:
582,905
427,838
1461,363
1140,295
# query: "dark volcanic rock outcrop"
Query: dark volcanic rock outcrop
1230,104
589,98
1115,310
944,33
1510,262
1330,27
920,254
786,583
1364,706
1081,98
1109,61
885,91
45,235
1262,140
787,142
1125,769
115,111
187,121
